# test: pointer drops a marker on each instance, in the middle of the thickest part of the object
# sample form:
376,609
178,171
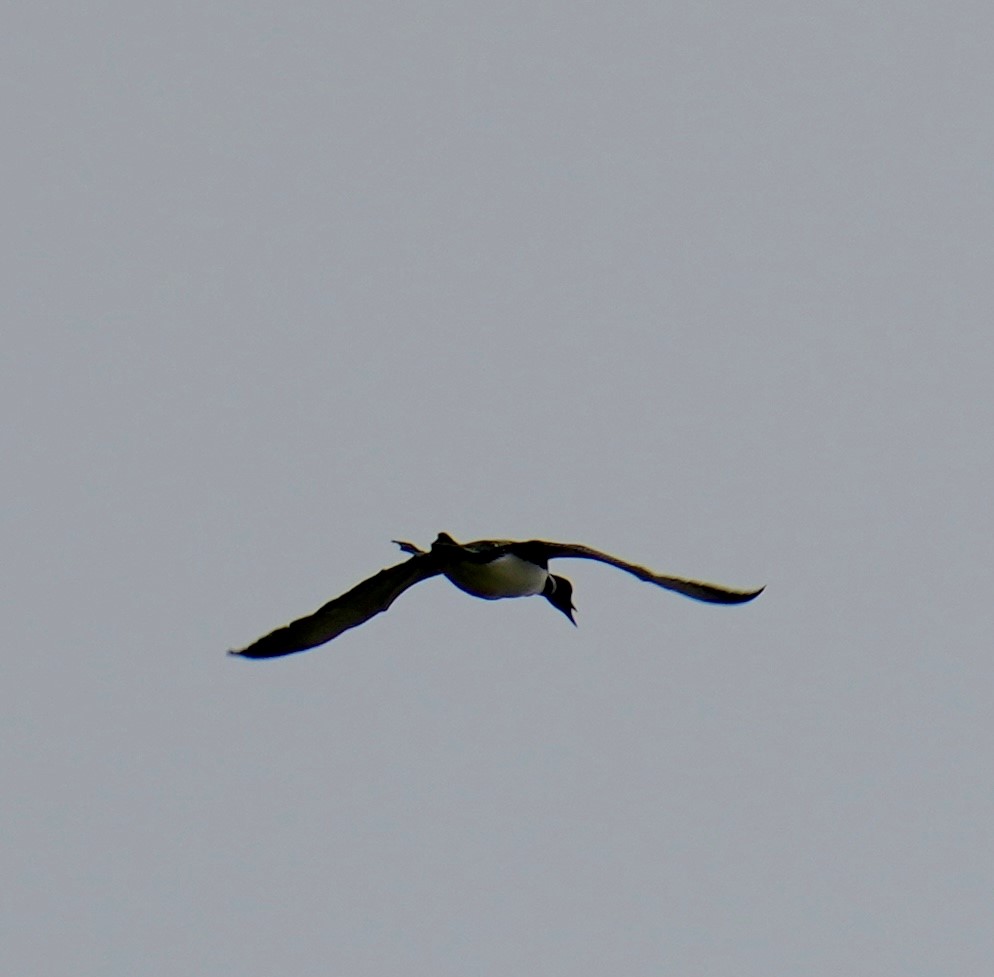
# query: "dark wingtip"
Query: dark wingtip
752,595
732,597
246,653
719,595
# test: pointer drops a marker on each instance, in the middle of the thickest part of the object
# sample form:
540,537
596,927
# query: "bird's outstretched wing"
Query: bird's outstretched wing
709,592
362,602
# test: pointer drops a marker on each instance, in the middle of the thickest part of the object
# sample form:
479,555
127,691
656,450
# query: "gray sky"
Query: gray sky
708,286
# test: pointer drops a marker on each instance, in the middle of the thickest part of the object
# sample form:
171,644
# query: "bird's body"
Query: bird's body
505,576
491,569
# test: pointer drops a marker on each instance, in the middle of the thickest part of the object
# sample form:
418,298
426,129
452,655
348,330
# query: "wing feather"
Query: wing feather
366,599
697,589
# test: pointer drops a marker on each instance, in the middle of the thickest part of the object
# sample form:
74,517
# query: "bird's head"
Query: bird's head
559,593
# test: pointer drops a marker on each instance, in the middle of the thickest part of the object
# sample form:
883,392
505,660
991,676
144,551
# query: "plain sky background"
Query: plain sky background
707,285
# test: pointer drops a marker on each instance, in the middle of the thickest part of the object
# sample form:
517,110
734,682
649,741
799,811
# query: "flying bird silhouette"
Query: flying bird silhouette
488,568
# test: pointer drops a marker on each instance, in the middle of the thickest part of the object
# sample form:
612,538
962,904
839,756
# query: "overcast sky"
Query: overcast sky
706,285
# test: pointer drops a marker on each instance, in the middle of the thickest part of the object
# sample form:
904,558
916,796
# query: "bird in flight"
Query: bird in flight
488,568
